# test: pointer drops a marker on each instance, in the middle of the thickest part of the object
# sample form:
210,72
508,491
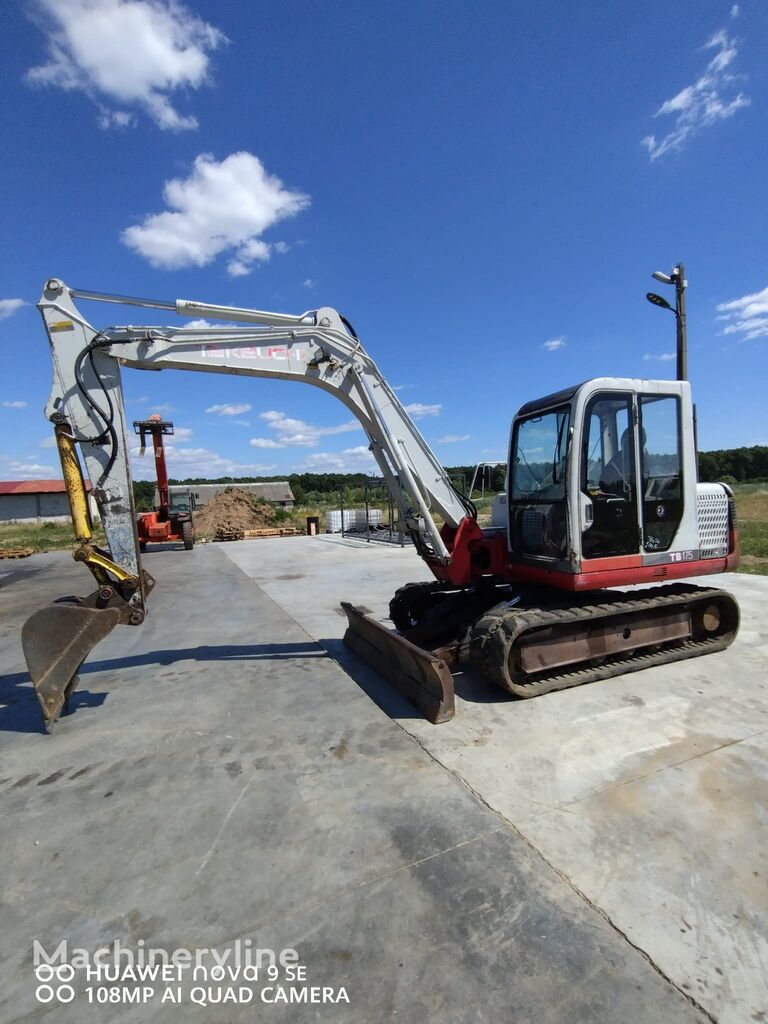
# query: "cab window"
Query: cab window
537,484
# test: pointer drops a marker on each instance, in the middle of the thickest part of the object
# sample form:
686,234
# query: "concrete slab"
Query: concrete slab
648,792
221,779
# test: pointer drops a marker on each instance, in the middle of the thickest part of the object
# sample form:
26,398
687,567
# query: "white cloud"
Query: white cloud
201,324
48,442
452,438
735,11
230,410
221,206
309,283
350,460
14,405
665,357
126,54
10,306
296,433
186,462
418,410
708,100
554,344
182,433
163,407
747,316
264,442
17,469
281,247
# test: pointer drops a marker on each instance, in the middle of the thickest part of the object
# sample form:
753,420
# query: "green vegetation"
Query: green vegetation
42,536
320,492
752,515
735,465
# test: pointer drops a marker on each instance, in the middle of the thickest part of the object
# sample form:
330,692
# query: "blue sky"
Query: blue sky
483,189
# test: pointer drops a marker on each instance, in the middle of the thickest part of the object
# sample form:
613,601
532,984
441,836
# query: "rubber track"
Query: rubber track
416,597
493,635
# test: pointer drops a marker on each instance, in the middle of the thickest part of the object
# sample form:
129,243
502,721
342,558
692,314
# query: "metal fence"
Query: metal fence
376,494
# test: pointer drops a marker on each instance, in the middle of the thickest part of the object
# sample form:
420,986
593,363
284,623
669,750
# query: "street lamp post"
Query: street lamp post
677,278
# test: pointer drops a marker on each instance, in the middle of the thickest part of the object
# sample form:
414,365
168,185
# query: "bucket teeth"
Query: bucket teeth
421,676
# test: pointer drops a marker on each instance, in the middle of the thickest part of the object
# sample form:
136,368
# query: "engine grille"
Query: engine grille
712,513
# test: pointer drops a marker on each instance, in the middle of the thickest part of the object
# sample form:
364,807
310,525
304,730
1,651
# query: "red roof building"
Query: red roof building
37,501
36,486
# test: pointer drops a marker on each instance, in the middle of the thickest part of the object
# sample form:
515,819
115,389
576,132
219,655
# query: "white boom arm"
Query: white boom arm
318,348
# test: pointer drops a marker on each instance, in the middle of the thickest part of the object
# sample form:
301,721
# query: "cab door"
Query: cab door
660,447
538,509
610,519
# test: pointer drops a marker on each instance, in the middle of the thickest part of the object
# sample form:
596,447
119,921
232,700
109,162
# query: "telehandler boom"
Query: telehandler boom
601,493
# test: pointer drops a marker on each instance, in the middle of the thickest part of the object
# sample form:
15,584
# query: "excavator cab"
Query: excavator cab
602,487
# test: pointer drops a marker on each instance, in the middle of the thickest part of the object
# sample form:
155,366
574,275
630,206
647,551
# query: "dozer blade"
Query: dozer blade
423,678
56,640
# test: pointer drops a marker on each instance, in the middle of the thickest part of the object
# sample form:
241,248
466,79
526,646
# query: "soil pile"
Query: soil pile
233,511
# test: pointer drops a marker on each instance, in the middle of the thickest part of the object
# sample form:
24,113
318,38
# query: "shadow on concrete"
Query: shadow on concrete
221,653
20,710
468,684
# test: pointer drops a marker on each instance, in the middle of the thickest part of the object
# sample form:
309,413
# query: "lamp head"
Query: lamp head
657,300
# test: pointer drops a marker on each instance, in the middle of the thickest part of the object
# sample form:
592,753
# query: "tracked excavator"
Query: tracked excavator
601,494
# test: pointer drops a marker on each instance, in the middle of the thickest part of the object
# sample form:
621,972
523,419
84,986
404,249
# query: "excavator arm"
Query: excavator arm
86,408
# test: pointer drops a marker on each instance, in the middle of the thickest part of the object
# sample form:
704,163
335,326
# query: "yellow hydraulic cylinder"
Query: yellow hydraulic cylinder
73,481
97,561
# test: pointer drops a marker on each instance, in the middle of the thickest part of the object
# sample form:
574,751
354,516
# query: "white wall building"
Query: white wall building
37,501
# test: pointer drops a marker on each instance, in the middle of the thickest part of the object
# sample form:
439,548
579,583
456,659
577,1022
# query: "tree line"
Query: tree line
733,465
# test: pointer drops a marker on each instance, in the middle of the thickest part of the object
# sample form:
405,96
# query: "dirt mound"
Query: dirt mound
232,511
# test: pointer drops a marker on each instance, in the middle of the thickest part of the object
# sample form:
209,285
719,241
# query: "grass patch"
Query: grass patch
752,517
42,536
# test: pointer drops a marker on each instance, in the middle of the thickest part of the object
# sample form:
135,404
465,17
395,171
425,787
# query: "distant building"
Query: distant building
37,501
279,493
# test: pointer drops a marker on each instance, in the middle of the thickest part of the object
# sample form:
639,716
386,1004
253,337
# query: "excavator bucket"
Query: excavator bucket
421,676
57,639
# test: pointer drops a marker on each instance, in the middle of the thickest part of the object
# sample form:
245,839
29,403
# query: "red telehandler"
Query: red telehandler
170,521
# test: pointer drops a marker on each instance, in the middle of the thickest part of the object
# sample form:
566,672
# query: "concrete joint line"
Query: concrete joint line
572,885
312,904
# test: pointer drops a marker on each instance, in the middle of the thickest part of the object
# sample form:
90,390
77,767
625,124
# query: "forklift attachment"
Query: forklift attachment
57,639
421,676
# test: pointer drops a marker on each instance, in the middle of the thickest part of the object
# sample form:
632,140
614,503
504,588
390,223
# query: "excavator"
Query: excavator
601,494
